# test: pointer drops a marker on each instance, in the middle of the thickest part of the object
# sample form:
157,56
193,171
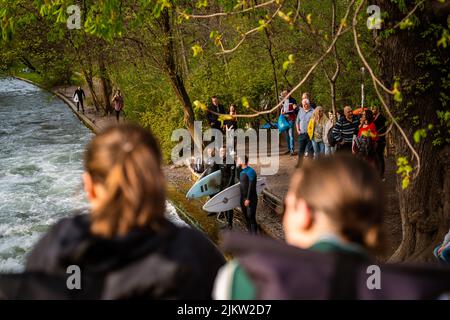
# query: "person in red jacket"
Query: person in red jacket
365,143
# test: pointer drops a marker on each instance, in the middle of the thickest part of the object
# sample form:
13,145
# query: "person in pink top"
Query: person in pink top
118,103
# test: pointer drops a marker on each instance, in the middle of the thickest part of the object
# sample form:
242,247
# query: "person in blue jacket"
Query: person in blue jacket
442,251
249,197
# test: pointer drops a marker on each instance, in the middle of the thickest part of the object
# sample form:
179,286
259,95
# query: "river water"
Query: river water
41,150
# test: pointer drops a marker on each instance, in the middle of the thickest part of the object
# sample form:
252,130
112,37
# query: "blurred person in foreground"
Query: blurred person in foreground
333,226
125,248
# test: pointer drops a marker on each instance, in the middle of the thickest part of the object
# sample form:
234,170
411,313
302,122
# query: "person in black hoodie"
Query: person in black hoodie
78,96
125,248
213,118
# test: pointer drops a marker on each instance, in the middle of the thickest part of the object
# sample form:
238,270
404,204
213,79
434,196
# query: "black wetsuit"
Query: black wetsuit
80,94
228,174
247,178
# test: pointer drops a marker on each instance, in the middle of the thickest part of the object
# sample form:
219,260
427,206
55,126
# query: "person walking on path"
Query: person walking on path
304,142
316,131
78,97
118,103
380,124
288,109
249,197
344,130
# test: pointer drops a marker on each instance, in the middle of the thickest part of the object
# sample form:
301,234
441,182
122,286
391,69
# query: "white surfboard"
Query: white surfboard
205,186
230,198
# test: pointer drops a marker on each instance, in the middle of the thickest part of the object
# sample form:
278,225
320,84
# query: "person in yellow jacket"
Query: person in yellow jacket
316,131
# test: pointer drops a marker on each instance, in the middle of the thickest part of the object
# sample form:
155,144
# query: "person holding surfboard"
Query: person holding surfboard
78,96
249,196
228,174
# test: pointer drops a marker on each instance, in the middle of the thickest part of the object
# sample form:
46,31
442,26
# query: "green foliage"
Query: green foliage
404,169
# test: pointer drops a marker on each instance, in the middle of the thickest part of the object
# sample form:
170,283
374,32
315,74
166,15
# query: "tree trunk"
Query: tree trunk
424,205
173,73
106,86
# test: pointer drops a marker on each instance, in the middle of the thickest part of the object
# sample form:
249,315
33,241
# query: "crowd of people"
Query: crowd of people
126,247
361,131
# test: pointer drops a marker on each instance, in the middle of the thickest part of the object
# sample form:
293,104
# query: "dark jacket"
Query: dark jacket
80,94
174,263
228,174
210,166
212,117
280,271
380,124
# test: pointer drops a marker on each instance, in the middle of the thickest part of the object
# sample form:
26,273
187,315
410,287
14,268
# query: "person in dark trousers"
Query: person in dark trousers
125,247
213,119
228,175
249,197
304,115
289,109
78,96
118,103
344,130
380,124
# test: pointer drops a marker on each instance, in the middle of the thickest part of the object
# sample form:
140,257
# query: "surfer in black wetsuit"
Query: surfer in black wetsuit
249,197
79,94
228,175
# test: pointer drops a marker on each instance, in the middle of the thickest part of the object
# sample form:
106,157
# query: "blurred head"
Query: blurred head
367,116
232,109
318,113
331,115
242,161
338,195
348,113
211,152
375,110
305,95
124,181
306,104
214,100
79,88
223,152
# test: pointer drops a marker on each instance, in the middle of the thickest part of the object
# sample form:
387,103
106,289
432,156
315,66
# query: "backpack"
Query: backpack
363,146
330,136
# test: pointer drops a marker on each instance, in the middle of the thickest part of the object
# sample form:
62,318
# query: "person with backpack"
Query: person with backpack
289,110
365,143
330,145
345,128
125,247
